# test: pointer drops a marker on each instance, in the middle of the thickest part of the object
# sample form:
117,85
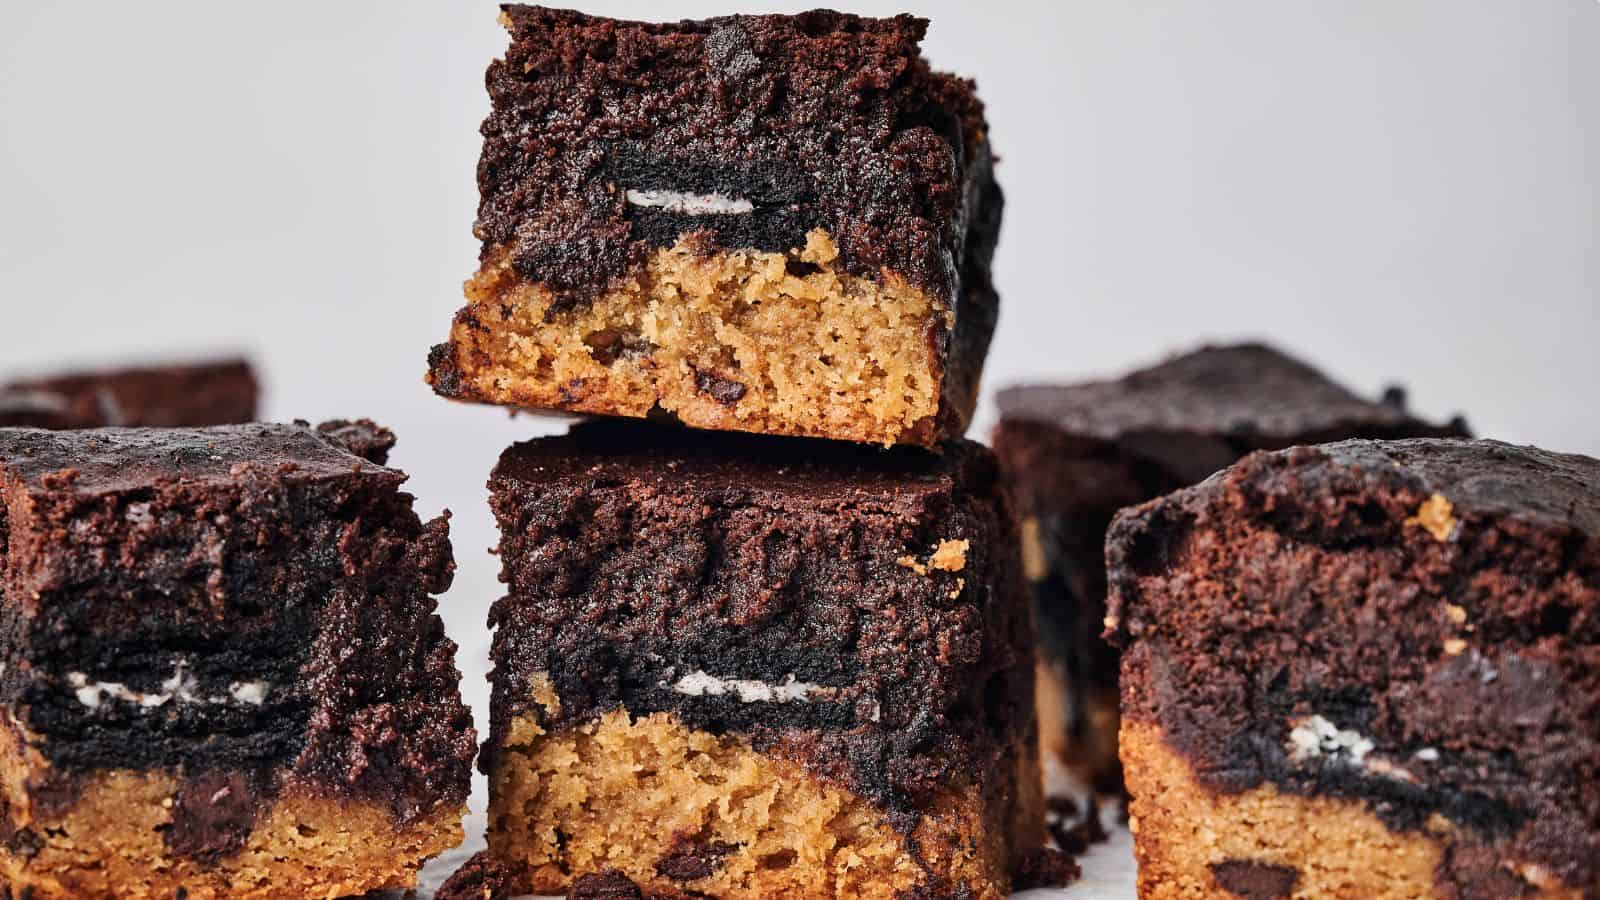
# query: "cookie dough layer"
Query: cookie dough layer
677,809
110,839
737,340
1263,843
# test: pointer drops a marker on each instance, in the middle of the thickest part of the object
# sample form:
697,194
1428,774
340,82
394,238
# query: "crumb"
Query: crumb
911,563
950,556
1077,839
1455,613
1046,867
1435,515
1455,646
480,878
1062,807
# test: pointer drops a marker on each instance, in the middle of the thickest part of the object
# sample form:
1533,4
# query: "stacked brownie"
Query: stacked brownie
788,663
221,670
1075,454
780,224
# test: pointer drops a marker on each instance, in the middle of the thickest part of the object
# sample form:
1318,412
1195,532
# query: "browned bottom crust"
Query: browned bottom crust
109,842
1192,841
730,340
679,810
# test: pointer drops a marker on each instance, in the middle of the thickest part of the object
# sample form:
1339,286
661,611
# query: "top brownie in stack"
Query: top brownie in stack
1365,670
186,395
221,672
1075,454
780,224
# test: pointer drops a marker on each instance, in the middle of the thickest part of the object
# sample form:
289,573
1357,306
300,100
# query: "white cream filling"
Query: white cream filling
690,204
1314,737
703,684
182,687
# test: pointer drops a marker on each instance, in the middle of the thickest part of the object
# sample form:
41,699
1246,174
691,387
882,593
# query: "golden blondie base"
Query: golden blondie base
1194,842
680,810
735,340
109,843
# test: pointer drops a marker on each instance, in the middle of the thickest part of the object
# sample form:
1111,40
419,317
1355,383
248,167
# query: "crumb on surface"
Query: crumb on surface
773,828
948,556
1436,516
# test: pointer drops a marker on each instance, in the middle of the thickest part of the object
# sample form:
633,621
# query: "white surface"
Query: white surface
1398,189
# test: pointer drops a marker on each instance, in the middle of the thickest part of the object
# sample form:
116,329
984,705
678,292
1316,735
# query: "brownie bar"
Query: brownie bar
1075,454
191,395
769,223
751,667
222,671
1366,669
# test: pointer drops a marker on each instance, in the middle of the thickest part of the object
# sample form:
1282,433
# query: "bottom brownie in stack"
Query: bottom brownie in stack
739,666
1365,670
221,673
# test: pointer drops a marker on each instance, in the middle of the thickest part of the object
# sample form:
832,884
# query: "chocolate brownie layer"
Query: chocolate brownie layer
1410,628
1075,454
758,223
197,394
238,612
848,618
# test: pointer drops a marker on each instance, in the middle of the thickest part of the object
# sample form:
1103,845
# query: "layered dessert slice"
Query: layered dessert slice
738,666
779,224
1075,454
221,672
1365,670
197,394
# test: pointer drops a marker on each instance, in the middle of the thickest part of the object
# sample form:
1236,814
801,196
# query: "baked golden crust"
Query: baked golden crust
737,340
677,809
1195,842
109,841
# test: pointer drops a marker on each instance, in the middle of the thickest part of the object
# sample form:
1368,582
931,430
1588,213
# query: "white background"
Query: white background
1400,190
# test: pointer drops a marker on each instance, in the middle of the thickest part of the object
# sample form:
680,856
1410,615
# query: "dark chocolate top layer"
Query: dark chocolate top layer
224,392
1198,412
1411,624
817,120
669,570
110,460
1484,477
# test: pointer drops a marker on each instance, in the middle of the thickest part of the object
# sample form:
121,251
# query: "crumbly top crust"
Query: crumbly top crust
1243,389
110,460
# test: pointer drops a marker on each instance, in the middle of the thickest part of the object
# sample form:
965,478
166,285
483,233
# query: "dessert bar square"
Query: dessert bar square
186,395
778,224
221,672
1368,669
1074,454
739,666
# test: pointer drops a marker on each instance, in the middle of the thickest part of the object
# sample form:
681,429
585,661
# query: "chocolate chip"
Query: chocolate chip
723,390
1255,880
689,860
213,815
